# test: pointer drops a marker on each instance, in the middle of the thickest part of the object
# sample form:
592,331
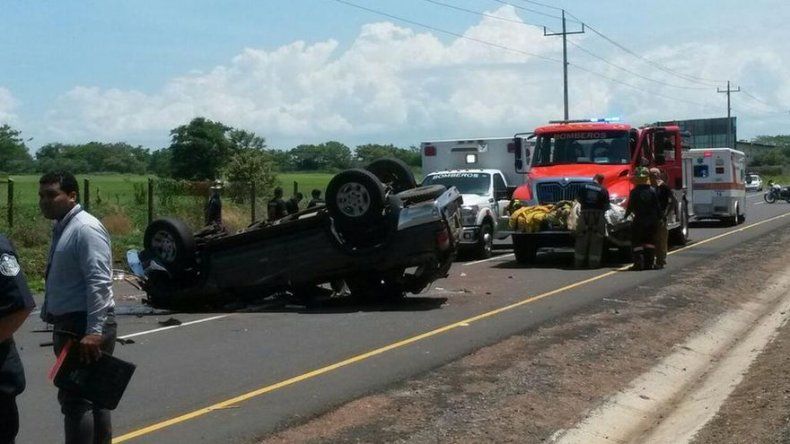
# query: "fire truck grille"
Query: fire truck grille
552,192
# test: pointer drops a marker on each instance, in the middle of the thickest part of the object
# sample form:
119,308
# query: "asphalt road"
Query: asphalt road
233,377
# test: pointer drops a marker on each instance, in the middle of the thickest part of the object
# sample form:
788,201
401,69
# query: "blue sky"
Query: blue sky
75,71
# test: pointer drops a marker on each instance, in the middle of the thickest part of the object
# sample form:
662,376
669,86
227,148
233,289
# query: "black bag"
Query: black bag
101,382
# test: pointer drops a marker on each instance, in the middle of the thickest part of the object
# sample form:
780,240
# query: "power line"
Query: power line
542,4
749,95
454,34
728,91
534,11
581,48
519,51
688,77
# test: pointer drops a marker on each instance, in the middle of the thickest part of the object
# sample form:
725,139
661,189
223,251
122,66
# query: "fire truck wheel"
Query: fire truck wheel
421,194
524,249
393,172
680,235
171,242
355,198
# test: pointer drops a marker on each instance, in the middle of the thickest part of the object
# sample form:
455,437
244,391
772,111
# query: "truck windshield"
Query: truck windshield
604,147
467,183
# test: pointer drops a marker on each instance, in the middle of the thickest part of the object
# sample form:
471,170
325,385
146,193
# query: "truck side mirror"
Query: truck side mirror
506,194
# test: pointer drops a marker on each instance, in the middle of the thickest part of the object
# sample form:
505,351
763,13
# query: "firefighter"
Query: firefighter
667,203
643,204
591,227
214,205
276,208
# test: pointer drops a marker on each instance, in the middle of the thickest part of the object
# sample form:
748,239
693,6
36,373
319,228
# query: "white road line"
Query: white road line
489,259
170,327
758,203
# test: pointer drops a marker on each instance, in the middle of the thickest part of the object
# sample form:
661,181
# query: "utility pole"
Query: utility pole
564,35
729,110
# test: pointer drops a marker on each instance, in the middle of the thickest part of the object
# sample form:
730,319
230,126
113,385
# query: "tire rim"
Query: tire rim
488,241
164,246
353,199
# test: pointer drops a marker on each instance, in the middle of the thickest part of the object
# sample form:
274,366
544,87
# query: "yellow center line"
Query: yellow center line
463,323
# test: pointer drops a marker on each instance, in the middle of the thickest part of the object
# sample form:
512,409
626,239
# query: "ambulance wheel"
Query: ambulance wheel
421,194
393,172
171,242
355,198
734,220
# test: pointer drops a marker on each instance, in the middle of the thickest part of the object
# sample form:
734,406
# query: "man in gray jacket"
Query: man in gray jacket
78,298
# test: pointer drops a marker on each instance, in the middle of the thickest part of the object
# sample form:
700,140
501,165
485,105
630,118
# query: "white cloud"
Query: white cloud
7,105
396,84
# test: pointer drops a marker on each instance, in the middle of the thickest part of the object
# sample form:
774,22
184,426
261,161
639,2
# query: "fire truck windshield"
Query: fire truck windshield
603,147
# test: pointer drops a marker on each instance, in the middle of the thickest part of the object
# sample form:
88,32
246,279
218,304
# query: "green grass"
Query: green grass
306,182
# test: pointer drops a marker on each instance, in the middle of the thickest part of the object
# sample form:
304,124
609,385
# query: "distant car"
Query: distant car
379,234
754,182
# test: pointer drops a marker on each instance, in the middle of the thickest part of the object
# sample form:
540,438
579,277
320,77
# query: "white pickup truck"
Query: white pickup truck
485,196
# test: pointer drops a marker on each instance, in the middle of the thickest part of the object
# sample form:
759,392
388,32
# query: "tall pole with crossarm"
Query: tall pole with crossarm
564,35
729,110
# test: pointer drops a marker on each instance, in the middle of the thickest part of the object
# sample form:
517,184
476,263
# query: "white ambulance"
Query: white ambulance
719,183
484,171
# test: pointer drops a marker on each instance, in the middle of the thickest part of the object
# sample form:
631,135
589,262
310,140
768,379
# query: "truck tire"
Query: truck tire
680,235
421,194
393,172
734,219
525,249
171,243
355,198
485,245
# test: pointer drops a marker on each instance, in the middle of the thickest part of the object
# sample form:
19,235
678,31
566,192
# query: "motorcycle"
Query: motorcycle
776,192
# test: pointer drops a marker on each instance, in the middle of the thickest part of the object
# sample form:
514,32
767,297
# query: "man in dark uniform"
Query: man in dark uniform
16,303
591,227
668,203
276,209
643,204
214,205
316,199
293,203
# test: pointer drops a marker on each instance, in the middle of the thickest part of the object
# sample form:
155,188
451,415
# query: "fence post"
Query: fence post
252,202
86,193
150,200
296,187
10,202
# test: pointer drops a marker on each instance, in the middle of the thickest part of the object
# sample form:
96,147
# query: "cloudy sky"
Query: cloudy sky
307,71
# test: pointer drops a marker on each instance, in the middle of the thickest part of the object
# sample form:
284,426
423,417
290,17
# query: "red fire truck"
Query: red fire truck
566,154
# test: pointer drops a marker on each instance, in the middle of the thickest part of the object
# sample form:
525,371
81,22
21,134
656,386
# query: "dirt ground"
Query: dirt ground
758,411
529,386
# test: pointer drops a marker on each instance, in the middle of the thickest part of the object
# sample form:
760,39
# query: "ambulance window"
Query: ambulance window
719,170
701,171
499,183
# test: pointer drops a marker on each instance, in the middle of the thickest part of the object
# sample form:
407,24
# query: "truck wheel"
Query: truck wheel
680,235
393,172
524,249
355,198
485,245
386,286
171,242
733,220
421,194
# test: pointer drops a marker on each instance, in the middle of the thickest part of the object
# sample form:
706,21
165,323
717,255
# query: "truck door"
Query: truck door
525,143
500,191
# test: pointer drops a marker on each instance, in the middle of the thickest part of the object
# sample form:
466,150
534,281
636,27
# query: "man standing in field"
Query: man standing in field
78,297
276,208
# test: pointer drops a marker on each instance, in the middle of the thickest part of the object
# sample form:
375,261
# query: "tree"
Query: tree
14,157
199,149
243,140
281,159
370,152
159,162
252,166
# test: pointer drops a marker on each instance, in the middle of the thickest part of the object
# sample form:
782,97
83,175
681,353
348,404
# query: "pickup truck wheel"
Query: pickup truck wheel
524,249
421,194
393,172
378,286
171,242
355,198
485,245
